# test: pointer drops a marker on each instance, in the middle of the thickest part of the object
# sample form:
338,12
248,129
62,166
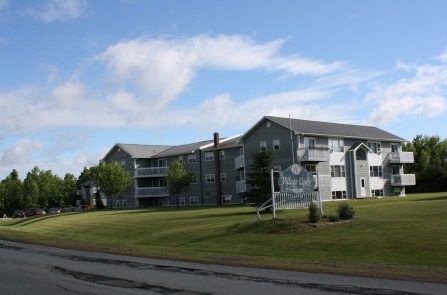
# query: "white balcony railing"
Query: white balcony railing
142,192
239,162
151,171
317,154
241,186
403,179
401,157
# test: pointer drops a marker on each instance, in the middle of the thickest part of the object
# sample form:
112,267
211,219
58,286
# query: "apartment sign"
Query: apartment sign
296,179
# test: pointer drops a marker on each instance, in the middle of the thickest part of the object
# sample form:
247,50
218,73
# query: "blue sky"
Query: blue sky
78,76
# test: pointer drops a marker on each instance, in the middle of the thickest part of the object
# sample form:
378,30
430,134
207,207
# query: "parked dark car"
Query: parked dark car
34,211
54,210
18,214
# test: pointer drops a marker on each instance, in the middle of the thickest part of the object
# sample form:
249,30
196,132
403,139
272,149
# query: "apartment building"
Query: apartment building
212,162
348,161
352,161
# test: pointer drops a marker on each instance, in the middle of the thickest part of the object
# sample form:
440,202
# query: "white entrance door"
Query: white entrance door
362,188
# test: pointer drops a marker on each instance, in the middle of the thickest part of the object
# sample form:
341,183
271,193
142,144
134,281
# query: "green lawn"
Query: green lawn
391,237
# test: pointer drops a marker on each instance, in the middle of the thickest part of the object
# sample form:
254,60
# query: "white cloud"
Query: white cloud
423,93
69,94
21,152
58,10
443,56
164,68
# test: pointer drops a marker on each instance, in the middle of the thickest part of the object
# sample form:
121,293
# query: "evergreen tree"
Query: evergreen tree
258,179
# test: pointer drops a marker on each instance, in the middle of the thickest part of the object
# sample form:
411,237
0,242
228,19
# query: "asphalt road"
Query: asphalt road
31,269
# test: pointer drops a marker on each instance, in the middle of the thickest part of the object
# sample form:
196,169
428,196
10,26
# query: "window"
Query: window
194,179
124,203
222,155
338,195
276,144
360,154
123,164
223,177
374,147
308,142
162,182
377,193
336,145
394,147
263,146
182,201
338,171
312,168
117,203
226,199
375,171
396,170
162,163
210,178
180,159
209,156
192,158
194,200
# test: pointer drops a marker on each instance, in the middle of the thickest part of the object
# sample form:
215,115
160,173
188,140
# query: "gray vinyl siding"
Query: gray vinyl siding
282,157
118,155
227,166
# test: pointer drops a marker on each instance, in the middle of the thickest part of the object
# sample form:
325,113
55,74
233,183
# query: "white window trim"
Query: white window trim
276,145
210,178
191,159
209,156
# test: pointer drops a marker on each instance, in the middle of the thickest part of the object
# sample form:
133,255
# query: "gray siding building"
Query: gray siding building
350,161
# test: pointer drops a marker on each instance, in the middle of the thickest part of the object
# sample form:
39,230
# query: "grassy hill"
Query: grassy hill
401,238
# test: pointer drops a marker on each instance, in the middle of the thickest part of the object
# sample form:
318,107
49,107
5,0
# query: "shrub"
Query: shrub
333,218
314,213
345,211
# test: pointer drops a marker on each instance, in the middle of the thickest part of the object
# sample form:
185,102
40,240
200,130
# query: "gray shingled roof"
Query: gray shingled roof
183,149
317,128
141,150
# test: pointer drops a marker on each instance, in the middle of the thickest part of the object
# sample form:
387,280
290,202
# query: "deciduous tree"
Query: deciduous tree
178,179
112,180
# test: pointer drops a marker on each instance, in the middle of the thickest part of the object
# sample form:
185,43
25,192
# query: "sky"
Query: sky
78,76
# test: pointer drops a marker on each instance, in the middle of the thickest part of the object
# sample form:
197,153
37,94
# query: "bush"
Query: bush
333,218
345,211
314,213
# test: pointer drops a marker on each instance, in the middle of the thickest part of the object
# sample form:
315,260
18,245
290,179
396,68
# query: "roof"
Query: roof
228,142
183,149
326,129
358,145
139,150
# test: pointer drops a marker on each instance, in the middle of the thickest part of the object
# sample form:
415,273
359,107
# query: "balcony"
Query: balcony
401,157
145,192
151,172
313,154
239,162
241,187
403,179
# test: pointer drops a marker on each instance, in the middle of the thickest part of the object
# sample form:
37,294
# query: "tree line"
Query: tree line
430,166
43,189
